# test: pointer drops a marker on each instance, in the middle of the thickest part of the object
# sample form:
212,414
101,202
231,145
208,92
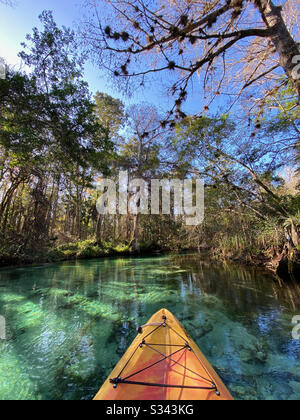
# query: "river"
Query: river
67,325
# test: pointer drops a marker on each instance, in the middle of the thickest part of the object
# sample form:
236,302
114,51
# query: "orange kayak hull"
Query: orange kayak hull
163,364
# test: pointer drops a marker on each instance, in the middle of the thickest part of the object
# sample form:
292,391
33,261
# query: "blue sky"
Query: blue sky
16,22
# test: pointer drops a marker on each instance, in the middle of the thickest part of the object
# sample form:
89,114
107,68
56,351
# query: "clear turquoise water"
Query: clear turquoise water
67,325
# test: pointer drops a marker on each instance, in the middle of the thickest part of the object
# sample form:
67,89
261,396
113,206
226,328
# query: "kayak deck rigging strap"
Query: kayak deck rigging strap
119,380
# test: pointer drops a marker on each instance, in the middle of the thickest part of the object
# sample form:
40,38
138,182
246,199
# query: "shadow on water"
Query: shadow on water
69,324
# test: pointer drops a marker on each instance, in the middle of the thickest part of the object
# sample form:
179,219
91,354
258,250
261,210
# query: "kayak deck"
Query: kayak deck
163,363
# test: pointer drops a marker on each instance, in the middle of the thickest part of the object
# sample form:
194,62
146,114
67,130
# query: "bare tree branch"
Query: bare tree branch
243,43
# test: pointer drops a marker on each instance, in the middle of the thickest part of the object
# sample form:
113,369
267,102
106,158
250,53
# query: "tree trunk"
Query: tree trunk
6,214
135,239
281,38
99,229
78,219
294,234
67,220
8,197
55,206
115,217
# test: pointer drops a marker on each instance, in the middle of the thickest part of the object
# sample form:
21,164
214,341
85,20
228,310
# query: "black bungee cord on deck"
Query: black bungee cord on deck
126,380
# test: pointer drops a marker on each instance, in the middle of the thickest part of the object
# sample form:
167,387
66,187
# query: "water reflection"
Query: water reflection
68,324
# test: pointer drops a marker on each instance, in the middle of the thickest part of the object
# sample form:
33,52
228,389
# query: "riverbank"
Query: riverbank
280,266
81,250
283,266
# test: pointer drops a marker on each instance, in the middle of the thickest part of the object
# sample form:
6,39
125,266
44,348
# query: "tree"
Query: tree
231,46
50,139
110,114
23,115
140,152
57,69
219,151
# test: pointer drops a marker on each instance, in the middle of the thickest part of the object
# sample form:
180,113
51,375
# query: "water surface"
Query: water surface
67,325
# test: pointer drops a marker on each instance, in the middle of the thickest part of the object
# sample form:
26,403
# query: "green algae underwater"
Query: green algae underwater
67,325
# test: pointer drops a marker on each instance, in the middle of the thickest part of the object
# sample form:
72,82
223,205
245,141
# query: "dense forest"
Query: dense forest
57,139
